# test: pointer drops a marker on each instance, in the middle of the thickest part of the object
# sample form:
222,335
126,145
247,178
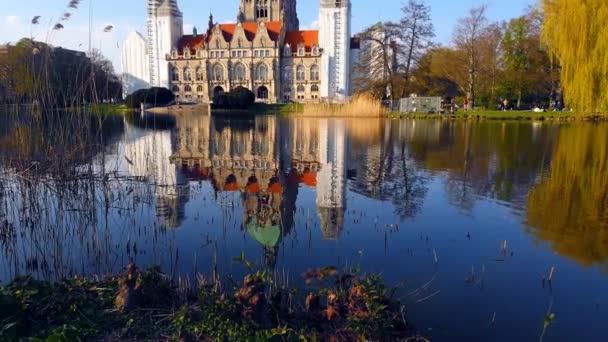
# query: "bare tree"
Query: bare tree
415,33
375,68
466,37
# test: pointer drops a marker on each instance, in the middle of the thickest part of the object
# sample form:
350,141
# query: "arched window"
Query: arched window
301,73
175,89
301,50
262,93
239,72
287,51
314,72
199,89
262,9
315,50
239,44
218,73
261,72
187,74
287,73
314,88
187,89
301,89
175,74
199,74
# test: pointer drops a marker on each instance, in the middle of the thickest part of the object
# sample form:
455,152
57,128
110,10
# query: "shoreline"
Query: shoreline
147,305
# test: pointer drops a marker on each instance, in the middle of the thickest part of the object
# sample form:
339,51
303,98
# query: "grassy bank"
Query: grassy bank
509,115
147,306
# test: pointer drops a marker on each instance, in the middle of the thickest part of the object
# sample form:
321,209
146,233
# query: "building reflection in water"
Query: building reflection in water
331,184
147,154
266,160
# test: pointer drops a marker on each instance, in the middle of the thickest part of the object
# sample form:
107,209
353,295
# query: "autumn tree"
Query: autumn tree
575,31
466,38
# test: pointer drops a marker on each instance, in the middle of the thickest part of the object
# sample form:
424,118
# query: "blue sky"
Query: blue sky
127,15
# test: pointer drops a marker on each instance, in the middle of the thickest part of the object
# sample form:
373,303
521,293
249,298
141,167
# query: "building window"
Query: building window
187,75
239,72
314,72
218,73
314,88
187,89
262,9
263,93
217,43
301,89
199,89
301,73
261,72
199,74
287,51
239,44
186,52
175,75
315,50
287,73
301,51
175,89
267,53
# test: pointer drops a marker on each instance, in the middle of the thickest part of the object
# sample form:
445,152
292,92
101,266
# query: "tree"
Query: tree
154,96
375,72
575,31
415,33
466,37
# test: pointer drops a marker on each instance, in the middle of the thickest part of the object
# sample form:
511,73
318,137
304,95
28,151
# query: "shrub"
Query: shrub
153,96
238,98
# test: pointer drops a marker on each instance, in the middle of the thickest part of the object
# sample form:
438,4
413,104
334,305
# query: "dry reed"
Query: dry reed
358,106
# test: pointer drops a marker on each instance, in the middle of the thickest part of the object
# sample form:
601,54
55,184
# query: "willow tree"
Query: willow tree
575,31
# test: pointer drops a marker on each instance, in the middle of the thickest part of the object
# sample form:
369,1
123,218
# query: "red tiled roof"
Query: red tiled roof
309,38
251,28
355,43
194,43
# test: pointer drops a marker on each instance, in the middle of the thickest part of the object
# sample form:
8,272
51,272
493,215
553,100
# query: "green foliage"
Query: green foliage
154,96
34,72
238,98
77,309
575,32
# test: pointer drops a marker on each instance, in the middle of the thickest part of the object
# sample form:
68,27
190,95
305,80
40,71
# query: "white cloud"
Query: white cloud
11,20
188,28
313,26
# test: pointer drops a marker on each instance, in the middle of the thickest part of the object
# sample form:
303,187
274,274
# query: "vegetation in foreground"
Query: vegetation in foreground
146,305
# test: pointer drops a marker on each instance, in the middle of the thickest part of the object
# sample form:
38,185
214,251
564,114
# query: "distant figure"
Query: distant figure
505,105
466,104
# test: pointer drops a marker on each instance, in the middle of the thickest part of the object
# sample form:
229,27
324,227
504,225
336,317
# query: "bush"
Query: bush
238,98
153,96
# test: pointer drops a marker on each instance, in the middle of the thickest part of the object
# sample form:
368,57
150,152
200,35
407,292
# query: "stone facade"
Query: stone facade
264,51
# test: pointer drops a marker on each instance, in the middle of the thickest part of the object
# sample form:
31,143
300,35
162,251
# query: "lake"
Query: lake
469,219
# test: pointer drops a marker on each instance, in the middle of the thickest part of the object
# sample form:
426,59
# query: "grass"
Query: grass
508,115
338,306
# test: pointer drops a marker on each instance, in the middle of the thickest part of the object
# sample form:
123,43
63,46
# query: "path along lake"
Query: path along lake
467,218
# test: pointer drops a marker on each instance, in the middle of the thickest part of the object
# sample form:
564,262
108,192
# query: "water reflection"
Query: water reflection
569,207
85,195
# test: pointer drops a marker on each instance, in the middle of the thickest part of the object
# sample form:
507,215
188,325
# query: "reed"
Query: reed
359,106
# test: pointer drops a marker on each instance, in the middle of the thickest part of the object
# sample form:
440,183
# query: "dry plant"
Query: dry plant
360,106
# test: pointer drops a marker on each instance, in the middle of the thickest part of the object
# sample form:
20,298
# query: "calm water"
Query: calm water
467,217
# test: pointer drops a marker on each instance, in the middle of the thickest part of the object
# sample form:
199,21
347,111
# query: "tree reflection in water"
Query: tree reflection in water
569,207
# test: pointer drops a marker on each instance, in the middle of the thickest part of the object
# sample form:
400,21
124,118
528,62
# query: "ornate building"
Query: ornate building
265,52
